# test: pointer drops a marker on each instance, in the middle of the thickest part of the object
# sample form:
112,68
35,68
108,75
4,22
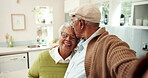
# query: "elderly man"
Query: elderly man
99,54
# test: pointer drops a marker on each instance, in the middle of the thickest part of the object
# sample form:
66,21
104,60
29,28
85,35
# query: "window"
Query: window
125,12
44,34
104,13
44,19
43,15
67,17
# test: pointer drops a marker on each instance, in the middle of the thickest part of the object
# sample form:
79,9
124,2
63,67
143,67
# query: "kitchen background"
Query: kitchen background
128,19
59,10
26,7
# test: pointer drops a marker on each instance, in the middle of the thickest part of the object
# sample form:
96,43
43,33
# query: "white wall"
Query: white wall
85,1
72,4
8,7
58,16
114,12
69,5
98,1
134,37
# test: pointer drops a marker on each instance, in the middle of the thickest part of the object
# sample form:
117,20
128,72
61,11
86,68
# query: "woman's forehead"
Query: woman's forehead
68,29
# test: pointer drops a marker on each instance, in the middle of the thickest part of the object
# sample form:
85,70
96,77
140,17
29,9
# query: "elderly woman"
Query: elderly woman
53,63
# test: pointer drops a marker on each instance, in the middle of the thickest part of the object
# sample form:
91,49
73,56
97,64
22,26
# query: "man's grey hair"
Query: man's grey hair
91,23
63,26
87,22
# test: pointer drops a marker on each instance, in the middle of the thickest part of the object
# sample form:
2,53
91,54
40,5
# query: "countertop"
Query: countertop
20,49
15,74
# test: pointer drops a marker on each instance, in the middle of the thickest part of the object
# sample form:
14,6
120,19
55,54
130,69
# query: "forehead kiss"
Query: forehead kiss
68,39
68,32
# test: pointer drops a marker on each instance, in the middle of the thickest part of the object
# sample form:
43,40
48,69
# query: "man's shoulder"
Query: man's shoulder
105,40
111,37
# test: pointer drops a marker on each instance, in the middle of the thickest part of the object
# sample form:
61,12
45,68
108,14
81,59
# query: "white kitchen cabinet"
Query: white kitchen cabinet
33,55
13,62
140,14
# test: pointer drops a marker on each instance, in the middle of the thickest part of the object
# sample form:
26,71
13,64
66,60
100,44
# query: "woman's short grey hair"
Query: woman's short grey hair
63,26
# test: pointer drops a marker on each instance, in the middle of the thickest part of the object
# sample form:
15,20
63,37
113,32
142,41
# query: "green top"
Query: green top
45,67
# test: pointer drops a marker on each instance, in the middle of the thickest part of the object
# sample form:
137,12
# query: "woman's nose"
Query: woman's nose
68,38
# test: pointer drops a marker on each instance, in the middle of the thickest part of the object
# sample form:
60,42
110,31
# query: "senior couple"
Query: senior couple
97,54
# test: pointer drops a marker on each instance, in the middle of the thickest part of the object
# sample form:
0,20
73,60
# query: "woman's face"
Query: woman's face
67,40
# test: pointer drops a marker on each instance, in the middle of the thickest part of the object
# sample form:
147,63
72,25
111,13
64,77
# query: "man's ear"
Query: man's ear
82,24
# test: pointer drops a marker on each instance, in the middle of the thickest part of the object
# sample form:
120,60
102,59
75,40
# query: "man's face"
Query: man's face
76,26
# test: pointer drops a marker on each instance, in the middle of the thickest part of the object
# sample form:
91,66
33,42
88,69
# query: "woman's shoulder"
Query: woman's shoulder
48,51
44,53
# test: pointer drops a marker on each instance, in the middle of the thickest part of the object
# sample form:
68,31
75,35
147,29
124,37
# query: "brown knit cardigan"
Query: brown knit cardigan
107,56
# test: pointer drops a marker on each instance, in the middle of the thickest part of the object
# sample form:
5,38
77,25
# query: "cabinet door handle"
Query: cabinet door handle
24,57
